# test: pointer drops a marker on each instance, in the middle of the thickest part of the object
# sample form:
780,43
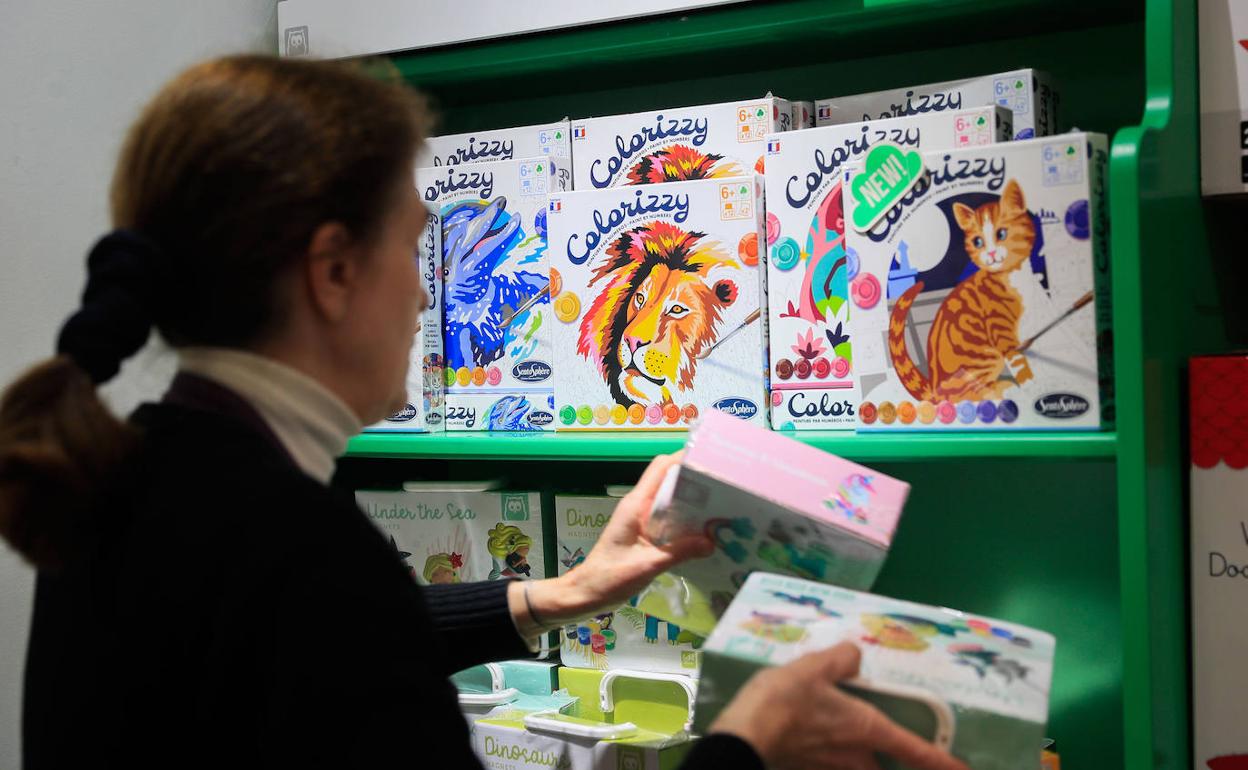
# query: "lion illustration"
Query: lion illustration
680,163
663,295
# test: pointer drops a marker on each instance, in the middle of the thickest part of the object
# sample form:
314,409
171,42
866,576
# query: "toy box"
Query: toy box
711,141
769,503
626,720
809,266
498,689
545,140
1223,34
658,304
976,686
496,301
1219,543
1029,94
982,297
803,115
425,409
447,534
627,638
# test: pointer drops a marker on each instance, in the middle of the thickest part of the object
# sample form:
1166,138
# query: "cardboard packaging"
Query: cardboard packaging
545,140
495,294
803,115
1029,94
809,265
976,686
710,141
626,720
769,503
1219,541
658,304
627,638
982,296
1223,96
425,411
459,534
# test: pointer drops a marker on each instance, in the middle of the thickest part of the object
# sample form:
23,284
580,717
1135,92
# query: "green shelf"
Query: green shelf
642,447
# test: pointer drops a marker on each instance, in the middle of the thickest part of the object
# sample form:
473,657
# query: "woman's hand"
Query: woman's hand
622,563
796,718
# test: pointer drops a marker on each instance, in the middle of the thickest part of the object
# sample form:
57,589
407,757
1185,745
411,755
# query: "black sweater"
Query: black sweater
227,610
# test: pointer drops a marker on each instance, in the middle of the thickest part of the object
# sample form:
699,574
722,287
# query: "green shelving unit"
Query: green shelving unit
1083,535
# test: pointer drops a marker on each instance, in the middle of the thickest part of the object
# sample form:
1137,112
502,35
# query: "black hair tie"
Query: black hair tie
118,305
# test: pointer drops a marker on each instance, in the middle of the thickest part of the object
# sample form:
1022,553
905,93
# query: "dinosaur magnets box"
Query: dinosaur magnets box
809,266
769,503
496,298
450,534
975,686
658,304
711,141
1029,94
982,297
627,638
550,140
426,392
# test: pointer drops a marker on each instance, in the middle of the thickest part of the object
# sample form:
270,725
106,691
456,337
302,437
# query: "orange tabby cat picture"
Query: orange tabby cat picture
974,336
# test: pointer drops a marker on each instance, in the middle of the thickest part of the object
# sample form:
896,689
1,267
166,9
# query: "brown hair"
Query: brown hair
221,183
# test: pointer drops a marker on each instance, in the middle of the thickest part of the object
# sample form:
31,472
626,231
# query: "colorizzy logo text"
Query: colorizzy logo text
992,169
458,178
830,161
917,105
625,149
607,221
495,149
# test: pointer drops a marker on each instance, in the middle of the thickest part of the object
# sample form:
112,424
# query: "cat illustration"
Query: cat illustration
974,335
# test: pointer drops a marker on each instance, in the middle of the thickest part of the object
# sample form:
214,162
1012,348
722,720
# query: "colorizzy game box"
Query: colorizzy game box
658,297
550,140
982,297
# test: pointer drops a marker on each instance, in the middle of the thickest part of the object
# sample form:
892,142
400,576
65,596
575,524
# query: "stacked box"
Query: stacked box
769,503
803,115
449,534
496,302
809,266
712,141
550,140
425,408
658,297
501,689
627,638
976,686
621,720
982,298
1029,94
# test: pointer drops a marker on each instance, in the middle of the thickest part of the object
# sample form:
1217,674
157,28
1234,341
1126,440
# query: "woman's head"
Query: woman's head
261,203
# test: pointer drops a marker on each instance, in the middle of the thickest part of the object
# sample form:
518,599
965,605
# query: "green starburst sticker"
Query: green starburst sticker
888,173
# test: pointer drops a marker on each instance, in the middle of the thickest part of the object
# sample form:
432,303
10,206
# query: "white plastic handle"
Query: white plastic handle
543,722
496,698
497,681
606,700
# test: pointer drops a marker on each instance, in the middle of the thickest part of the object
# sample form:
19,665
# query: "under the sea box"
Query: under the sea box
679,144
975,686
658,304
424,411
550,140
1219,571
621,721
809,265
462,532
496,299
769,503
982,295
1029,94
626,638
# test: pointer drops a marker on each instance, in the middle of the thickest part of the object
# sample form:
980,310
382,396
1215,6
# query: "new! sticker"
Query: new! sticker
888,173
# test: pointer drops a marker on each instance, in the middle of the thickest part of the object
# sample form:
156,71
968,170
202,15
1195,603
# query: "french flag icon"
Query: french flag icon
773,147
578,132
556,205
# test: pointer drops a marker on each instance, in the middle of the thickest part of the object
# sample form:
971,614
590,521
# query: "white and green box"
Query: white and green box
975,685
626,638
550,140
510,687
450,534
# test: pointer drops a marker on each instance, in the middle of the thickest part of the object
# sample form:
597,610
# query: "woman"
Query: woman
204,598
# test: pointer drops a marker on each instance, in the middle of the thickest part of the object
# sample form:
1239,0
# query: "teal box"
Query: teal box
977,686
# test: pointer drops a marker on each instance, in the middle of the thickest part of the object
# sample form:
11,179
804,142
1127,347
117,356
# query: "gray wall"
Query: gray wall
72,78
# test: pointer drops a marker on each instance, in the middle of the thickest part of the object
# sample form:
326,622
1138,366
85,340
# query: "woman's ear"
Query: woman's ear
331,271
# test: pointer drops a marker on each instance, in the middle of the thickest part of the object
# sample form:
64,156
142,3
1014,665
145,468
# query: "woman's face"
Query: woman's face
386,318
